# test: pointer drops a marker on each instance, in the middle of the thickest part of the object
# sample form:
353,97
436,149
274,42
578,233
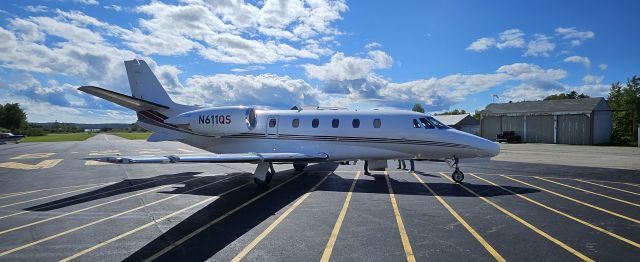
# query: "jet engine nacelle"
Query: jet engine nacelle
217,121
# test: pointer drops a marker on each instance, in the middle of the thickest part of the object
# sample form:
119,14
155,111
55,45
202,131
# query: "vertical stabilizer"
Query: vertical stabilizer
144,84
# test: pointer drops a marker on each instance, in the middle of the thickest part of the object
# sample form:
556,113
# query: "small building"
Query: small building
462,122
583,121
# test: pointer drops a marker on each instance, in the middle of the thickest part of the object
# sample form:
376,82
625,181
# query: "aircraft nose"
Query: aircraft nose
490,148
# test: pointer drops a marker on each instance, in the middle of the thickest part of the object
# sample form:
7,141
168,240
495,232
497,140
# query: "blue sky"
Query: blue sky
275,54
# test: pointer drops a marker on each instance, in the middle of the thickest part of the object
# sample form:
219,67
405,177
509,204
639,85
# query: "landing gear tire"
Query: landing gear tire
457,176
266,181
299,167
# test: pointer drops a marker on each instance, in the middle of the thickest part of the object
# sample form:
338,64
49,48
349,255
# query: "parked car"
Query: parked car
509,137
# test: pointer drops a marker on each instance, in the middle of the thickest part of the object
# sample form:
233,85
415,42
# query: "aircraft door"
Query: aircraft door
272,126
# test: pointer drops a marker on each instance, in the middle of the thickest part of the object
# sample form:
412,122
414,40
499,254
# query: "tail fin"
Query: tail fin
144,84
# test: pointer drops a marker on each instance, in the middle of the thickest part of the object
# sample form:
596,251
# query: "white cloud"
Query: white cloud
36,8
248,68
373,45
511,38
529,92
574,36
603,66
579,59
481,44
86,2
524,71
539,46
591,79
341,67
116,8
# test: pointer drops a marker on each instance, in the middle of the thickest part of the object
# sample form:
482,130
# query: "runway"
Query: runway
544,202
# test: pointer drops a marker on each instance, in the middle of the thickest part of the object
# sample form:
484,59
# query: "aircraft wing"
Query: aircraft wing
217,158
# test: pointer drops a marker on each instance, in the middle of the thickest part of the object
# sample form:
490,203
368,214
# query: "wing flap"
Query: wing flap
130,102
217,158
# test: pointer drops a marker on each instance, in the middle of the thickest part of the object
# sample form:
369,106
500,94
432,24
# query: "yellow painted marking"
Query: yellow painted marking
186,150
403,232
96,163
275,223
76,255
88,208
326,255
104,152
55,195
609,187
564,214
152,152
565,178
575,200
100,220
44,164
202,228
525,223
464,223
46,189
33,156
590,192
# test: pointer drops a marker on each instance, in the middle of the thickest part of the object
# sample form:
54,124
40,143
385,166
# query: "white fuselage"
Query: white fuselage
396,137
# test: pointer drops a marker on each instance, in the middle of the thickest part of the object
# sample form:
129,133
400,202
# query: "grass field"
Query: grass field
133,136
58,137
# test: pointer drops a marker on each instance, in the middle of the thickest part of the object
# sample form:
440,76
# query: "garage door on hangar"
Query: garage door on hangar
540,129
574,129
513,123
490,127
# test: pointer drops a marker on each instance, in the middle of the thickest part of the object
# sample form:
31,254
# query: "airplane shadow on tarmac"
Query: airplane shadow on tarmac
210,240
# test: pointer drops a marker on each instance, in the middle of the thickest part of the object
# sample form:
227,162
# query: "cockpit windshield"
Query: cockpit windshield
431,123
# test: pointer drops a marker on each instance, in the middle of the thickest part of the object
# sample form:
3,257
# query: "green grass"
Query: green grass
58,137
133,136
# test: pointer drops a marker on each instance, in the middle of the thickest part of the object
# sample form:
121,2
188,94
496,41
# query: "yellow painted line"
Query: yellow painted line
464,223
102,220
326,255
213,222
7,195
45,197
88,208
104,152
577,201
33,156
403,232
609,187
628,241
590,192
564,178
525,223
21,166
275,223
76,255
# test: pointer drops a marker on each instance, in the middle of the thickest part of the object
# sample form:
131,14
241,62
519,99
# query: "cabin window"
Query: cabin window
335,123
355,123
315,123
426,123
416,124
272,122
377,123
295,123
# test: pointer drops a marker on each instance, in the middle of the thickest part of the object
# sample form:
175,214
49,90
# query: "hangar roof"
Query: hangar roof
452,120
549,106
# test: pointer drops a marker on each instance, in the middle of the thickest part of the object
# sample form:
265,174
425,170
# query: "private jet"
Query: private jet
9,137
297,136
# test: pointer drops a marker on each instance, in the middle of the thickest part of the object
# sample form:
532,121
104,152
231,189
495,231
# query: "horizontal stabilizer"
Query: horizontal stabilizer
122,99
217,158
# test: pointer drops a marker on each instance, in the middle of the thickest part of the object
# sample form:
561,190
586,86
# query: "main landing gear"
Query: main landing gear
299,166
263,174
457,175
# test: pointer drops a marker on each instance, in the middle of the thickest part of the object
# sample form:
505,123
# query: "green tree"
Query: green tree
418,108
452,112
13,117
625,101
476,114
571,95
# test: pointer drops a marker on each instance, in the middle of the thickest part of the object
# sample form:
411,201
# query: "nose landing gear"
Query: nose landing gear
457,175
